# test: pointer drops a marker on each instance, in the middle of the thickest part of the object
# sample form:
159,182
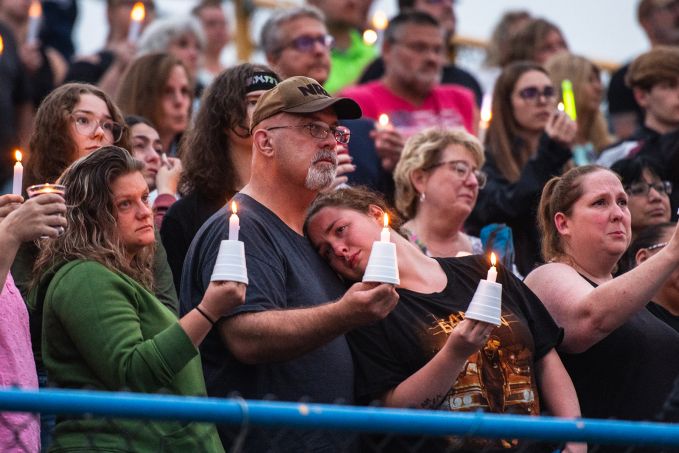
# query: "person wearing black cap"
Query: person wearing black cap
288,339
216,153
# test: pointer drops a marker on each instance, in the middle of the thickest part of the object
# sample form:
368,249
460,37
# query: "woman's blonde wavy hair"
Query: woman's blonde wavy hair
423,150
92,232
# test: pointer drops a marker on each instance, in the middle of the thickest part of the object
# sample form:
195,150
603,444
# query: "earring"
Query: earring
423,196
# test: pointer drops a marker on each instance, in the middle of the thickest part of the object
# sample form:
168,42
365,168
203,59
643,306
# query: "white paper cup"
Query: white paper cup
486,305
230,264
382,266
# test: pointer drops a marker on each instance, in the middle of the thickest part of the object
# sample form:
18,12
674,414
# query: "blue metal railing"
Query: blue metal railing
335,417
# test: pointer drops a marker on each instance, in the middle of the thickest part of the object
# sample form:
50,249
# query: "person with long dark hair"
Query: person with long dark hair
216,154
528,142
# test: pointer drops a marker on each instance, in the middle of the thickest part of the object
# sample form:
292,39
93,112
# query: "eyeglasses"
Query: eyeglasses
341,134
641,189
86,124
534,94
657,246
306,43
462,170
421,48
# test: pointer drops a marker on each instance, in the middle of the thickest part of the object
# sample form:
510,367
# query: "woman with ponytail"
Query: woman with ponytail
614,349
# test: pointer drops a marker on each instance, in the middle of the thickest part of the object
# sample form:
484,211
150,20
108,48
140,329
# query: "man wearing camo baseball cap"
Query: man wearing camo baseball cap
288,338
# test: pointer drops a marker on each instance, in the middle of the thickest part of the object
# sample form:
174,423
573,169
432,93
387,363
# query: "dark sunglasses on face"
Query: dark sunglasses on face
643,188
533,93
306,43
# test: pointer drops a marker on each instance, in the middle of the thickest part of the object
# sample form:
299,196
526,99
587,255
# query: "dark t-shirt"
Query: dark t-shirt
500,378
661,313
628,374
284,272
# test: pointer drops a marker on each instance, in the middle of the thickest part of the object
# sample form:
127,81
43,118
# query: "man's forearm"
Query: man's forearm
280,335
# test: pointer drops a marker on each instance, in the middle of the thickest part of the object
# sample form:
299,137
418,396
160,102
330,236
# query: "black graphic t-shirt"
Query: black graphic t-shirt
500,378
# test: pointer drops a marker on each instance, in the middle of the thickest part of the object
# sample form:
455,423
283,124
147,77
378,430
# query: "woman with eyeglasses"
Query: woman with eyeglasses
648,198
665,303
437,183
620,356
425,354
73,121
648,192
528,142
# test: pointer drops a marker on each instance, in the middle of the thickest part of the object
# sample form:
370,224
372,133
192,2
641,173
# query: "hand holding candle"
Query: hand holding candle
230,262
18,174
234,223
382,265
136,18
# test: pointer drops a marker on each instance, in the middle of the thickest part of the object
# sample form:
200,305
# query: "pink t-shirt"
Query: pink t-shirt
18,431
449,106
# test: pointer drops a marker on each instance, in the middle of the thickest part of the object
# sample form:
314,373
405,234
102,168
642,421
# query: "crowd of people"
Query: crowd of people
109,284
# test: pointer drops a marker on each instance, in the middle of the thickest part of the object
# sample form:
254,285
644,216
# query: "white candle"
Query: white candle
234,223
18,174
136,18
492,272
35,17
486,116
385,236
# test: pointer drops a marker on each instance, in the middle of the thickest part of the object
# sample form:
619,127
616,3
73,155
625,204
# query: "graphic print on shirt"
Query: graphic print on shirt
499,378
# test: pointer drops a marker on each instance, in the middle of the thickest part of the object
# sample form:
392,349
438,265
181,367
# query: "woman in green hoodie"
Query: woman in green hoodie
102,327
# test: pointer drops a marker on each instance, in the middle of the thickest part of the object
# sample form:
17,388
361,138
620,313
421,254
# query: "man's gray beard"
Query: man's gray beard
319,178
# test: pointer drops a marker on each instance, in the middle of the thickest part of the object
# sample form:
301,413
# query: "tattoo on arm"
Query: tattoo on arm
431,403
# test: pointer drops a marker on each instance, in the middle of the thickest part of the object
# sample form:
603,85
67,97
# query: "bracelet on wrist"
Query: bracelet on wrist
205,315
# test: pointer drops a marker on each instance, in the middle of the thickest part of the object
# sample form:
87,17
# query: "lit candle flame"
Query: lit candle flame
35,10
234,207
493,259
486,109
383,120
386,220
370,37
379,20
138,12
17,155
2,45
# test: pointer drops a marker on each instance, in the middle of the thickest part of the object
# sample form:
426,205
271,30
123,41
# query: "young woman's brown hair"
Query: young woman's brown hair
504,130
52,148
